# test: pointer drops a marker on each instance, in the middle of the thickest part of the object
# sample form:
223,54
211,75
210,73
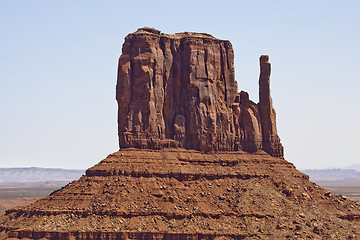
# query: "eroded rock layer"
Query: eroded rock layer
180,91
185,194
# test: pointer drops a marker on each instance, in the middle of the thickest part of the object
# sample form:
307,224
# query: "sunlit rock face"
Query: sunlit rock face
180,91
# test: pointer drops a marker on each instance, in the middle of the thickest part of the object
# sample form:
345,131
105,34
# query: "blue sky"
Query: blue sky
58,64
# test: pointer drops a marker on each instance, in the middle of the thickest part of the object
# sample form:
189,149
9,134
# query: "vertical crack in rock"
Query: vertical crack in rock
180,91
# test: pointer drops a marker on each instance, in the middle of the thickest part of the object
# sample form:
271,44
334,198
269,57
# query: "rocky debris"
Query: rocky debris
186,194
180,91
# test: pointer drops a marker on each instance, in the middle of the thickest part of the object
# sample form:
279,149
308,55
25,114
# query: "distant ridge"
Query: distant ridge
33,174
354,166
337,176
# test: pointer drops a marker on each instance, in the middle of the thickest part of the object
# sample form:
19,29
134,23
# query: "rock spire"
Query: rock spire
180,91
270,139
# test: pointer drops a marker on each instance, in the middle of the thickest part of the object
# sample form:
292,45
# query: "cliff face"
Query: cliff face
180,91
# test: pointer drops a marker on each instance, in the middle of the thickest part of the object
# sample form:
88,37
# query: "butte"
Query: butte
197,161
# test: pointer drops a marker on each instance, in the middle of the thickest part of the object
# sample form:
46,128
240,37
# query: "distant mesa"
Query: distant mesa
180,91
34,174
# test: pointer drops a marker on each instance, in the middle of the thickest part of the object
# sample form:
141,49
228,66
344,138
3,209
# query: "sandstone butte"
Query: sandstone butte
197,160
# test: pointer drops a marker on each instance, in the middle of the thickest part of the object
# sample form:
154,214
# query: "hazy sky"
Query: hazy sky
58,64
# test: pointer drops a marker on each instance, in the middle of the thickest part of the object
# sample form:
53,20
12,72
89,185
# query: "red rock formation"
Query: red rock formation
178,194
250,124
167,80
270,139
180,91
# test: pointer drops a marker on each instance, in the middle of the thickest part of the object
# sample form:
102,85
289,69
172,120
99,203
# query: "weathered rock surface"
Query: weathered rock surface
180,91
185,194
270,139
